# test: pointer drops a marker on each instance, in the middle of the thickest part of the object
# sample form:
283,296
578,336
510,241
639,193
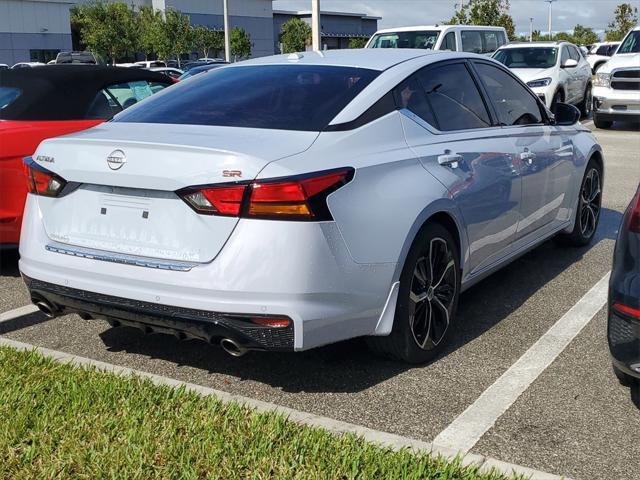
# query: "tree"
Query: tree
486,12
357,42
108,29
206,39
584,35
150,31
295,35
625,18
240,43
177,37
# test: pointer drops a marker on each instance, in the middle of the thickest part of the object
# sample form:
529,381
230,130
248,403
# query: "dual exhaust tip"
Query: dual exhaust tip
229,345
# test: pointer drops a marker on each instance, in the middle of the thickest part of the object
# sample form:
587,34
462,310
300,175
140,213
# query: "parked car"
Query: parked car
189,65
600,54
46,102
211,60
201,69
556,71
27,65
623,327
174,73
616,94
461,38
86,58
4,66
319,198
151,64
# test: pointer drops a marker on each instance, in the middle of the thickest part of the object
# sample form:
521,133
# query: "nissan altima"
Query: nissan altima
289,202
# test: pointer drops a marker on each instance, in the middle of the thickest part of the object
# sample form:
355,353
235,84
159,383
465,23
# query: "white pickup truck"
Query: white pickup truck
616,92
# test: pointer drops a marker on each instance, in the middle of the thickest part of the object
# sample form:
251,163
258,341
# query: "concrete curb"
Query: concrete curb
389,440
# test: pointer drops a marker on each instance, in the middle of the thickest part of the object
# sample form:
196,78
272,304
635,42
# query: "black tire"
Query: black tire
624,379
558,97
587,103
600,123
425,314
588,209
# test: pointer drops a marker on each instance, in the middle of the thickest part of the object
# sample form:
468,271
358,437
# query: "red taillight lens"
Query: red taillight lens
626,310
634,219
43,182
273,322
296,198
223,200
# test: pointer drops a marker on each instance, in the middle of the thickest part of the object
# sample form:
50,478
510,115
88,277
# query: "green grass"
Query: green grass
61,421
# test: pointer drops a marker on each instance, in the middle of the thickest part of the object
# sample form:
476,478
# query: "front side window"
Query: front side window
631,43
564,55
574,54
449,42
603,50
425,40
527,57
513,102
453,97
285,97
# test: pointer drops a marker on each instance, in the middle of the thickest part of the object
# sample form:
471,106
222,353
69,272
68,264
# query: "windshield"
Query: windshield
527,57
286,97
631,44
425,40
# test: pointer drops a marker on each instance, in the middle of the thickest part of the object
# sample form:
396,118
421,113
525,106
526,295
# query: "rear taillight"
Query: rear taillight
634,218
41,181
296,198
627,311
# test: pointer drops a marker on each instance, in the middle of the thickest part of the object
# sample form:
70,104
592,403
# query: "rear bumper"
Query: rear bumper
300,270
154,317
624,343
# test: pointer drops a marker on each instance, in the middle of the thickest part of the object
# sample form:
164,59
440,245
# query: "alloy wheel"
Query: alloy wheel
432,295
590,200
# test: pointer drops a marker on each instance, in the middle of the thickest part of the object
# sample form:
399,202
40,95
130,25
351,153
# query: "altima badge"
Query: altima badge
116,159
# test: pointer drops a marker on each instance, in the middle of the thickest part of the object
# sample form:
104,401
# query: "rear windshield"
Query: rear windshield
426,40
284,97
527,57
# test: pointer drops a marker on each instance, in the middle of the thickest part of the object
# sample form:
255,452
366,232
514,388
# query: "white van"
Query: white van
460,38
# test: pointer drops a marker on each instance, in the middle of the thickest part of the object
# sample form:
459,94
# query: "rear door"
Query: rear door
543,152
448,125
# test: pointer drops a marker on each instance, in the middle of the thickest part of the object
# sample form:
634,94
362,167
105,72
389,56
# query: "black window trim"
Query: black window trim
546,120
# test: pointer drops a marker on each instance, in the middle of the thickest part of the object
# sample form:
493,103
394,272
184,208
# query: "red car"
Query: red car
40,103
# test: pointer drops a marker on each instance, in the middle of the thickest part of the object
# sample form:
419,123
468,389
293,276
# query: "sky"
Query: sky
566,13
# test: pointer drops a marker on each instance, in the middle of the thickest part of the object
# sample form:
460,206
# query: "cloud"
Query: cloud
566,13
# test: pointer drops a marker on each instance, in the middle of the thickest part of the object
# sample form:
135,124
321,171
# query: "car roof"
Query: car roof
64,92
535,44
415,28
371,58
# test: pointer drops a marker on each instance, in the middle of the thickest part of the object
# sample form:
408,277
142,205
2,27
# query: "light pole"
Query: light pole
530,29
227,42
315,25
550,2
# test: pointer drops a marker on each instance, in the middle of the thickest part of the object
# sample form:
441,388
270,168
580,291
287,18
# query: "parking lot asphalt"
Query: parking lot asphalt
573,420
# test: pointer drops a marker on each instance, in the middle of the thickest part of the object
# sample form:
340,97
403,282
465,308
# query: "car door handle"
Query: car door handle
527,157
449,159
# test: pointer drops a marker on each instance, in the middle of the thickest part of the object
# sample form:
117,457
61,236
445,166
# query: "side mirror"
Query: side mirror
570,63
565,114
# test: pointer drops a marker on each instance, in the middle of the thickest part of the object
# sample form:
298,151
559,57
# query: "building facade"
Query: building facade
336,27
36,30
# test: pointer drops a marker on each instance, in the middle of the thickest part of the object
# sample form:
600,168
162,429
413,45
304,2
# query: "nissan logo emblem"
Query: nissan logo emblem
116,159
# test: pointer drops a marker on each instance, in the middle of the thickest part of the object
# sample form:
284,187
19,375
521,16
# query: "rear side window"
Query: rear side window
512,101
8,95
285,97
482,41
410,95
471,41
454,97
449,42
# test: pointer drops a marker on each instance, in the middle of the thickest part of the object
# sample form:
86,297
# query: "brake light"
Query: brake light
626,310
41,181
634,219
273,322
297,198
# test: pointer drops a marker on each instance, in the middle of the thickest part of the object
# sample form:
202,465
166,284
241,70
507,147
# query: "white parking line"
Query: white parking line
465,431
17,312
336,427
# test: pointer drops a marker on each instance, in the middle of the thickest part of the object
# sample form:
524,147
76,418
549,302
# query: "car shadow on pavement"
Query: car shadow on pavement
349,366
9,263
